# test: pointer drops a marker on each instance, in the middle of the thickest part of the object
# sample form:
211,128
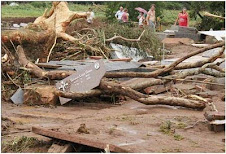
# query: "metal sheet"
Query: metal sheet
64,100
217,34
18,97
109,65
83,80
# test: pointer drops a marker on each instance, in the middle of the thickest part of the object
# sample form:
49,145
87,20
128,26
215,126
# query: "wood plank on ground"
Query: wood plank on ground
60,148
76,139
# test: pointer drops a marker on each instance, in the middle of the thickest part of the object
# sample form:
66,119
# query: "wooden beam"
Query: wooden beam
76,139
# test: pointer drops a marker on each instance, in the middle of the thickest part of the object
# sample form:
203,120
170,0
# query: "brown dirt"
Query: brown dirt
132,125
19,20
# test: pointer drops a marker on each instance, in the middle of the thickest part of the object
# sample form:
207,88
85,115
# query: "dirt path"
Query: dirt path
133,126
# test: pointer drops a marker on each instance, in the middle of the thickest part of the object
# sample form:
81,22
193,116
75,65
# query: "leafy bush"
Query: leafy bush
40,4
149,42
173,5
214,7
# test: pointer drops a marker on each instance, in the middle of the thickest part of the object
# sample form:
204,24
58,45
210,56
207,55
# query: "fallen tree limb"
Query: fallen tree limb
110,87
203,70
200,63
34,69
213,15
96,92
164,70
125,39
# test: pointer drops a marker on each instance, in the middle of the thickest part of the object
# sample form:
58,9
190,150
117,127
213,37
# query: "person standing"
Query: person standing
141,20
119,13
151,17
91,16
183,18
125,15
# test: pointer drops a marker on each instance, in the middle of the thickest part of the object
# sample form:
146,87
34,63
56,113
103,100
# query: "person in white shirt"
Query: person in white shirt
91,16
141,19
119,13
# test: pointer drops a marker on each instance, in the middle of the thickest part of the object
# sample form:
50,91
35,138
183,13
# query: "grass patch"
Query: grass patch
178,137
167,127
34,9
181,125
20,144
25,10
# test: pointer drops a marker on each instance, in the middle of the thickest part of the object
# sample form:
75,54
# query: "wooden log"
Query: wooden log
34,69
200,63
110,87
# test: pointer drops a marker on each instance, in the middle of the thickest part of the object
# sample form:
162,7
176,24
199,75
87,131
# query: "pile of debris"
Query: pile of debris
62,81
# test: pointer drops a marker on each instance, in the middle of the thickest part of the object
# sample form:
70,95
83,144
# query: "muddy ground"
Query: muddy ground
130,124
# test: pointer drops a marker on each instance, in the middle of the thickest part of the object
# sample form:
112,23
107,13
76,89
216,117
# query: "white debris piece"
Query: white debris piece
218,34
23,24
13,4
16,26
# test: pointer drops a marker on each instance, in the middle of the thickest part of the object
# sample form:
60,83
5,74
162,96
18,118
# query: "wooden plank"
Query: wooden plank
76,139
57,148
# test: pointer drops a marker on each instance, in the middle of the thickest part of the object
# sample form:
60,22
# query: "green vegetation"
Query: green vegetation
167,11
178,137
23,10
168,128
20,144
35,9
148,40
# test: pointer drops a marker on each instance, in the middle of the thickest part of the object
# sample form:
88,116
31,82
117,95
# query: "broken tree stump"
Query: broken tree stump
40,95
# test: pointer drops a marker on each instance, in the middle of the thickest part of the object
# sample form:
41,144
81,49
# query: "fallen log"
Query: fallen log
200,63
110,87
202,70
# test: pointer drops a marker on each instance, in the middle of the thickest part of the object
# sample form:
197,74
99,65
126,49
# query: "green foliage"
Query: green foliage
113,7
20,144
166,127
208,23
149,41
173,5
40,4
23,10
214,7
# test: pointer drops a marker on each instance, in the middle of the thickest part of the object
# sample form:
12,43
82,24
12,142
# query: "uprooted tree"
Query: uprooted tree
53,25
